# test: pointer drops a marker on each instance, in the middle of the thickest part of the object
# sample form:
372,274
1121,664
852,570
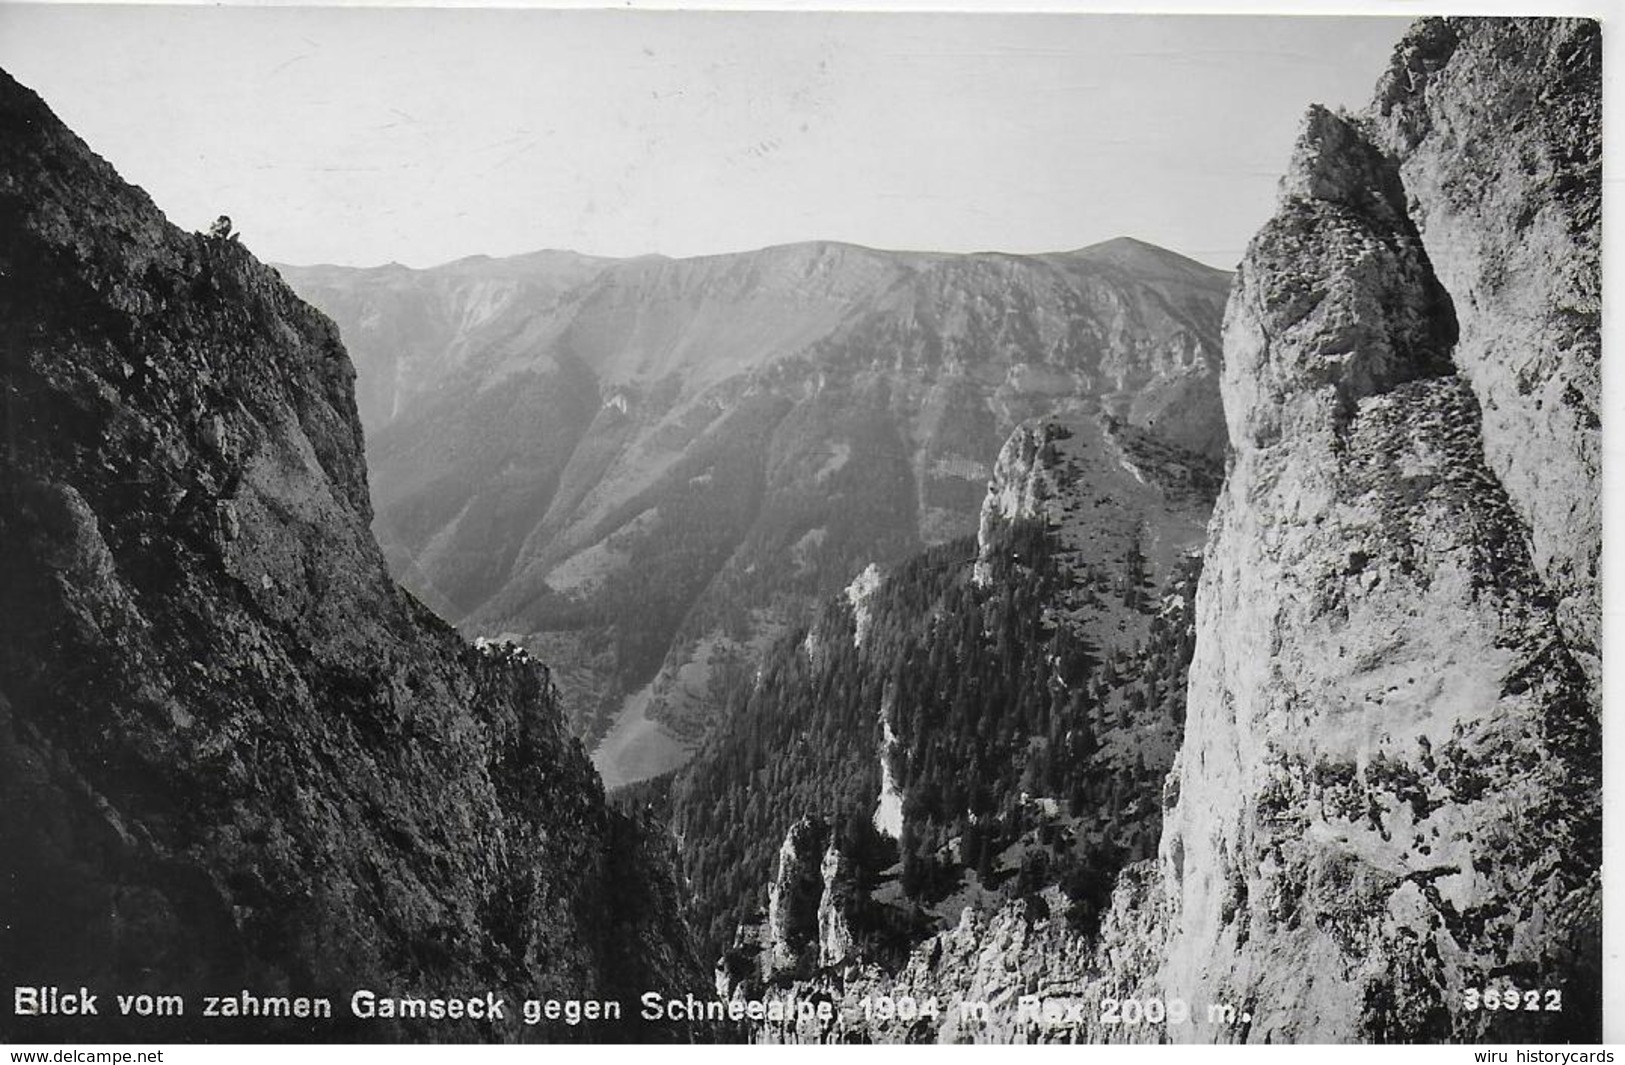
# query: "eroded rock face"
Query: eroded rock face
835,906
1339,265
233,753
1017,974
1496,125
808,924
1389,784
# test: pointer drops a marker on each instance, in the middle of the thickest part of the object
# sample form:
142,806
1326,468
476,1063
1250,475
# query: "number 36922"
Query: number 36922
1511,998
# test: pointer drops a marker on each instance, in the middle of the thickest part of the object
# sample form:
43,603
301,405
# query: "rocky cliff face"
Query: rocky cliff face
1387,797
233,753
1389,786
1496,126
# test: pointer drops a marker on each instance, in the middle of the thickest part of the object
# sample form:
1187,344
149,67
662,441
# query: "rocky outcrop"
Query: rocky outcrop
794,928
1104,488
1341,265
811,902
835,907
1016,974
1026,483
1389,788
1127,512
859,596
233,754
888,818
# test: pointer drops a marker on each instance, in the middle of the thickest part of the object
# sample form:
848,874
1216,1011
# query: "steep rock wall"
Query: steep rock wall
1388,793
1496,125
233,753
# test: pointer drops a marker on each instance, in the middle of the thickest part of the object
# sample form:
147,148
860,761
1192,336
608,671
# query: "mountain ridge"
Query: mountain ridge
518,258
326,282
519,487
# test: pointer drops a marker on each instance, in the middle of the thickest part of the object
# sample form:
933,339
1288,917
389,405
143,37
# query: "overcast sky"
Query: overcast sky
361,136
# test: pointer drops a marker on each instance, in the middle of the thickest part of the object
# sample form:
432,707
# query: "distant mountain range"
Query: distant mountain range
643,470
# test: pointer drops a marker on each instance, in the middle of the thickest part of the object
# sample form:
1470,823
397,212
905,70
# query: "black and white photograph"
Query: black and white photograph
580,525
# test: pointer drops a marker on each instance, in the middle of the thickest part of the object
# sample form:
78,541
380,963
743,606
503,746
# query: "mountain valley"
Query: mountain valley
643,479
